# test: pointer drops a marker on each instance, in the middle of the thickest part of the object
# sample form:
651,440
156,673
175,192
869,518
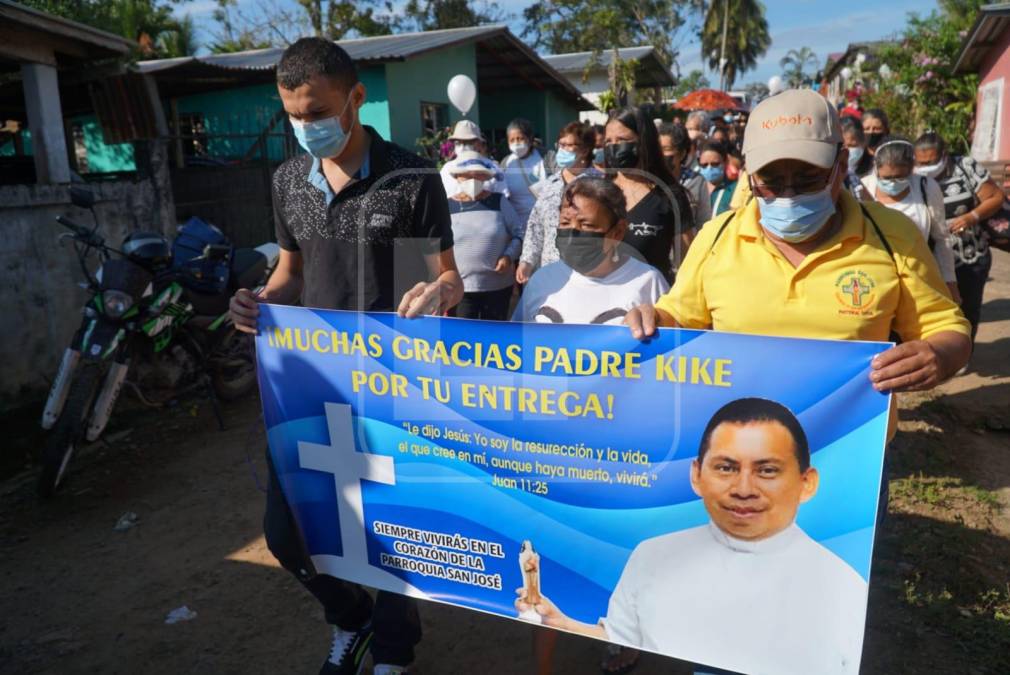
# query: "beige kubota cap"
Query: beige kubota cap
796,124
466,130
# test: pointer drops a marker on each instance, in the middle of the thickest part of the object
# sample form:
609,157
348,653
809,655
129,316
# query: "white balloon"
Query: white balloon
775,85
462,93
846,72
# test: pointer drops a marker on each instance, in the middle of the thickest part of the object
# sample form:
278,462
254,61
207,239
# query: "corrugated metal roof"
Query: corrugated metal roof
511,55
989,26
375,49
15,13
577,61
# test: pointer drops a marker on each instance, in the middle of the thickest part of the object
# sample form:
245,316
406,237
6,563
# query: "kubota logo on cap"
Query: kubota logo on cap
792,121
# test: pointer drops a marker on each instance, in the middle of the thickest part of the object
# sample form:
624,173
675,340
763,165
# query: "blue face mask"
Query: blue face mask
322,138
565,158
796,219
598,156
713,174
892,187
855,154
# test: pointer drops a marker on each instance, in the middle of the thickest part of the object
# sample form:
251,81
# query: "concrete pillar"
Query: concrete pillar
45,120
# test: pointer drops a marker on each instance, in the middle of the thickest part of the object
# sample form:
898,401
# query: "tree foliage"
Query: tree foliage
562,26
746,32
795,63
421,15
923,92
691,82
150,23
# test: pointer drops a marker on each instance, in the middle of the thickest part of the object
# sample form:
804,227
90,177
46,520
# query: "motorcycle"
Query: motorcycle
156,311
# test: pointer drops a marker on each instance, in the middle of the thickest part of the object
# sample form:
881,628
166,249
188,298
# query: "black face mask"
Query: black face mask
873,139
579,249
621,155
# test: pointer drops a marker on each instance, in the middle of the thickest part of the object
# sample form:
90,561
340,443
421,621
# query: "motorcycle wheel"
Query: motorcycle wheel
69,429
234,366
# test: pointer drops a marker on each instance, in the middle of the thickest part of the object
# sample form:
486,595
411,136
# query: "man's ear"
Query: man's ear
359,94
696,476
811,479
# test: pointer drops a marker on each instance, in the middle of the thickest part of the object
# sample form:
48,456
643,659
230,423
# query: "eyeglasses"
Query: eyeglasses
801,186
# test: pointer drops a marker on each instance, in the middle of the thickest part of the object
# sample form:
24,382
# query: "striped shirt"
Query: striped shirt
484,231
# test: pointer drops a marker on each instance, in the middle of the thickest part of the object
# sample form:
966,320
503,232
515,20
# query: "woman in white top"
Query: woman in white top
893,184
597,280
524,167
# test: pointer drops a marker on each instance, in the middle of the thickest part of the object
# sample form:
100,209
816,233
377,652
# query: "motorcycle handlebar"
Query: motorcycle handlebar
82,232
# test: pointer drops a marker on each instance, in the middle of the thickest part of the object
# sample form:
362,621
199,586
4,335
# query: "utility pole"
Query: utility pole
722,51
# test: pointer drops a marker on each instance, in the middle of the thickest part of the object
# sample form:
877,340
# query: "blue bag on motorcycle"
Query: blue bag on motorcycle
203,254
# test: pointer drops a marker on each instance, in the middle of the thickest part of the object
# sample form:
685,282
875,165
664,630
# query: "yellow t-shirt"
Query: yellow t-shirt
849,289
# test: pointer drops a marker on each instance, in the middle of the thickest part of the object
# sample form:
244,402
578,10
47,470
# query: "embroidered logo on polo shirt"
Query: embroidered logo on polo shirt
381,221
856,292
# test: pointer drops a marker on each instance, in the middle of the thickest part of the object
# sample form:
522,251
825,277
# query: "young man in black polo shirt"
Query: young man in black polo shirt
359,221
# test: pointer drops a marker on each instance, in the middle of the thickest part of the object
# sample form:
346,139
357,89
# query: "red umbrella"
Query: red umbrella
707,99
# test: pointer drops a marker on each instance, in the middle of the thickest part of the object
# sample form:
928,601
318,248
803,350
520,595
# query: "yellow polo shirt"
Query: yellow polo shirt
850,288
742,192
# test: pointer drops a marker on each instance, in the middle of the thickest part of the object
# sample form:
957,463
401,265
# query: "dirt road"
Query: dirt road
79,597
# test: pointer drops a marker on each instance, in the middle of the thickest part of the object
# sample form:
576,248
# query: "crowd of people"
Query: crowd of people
713,222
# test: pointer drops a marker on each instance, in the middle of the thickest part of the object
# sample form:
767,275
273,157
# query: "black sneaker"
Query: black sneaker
347,654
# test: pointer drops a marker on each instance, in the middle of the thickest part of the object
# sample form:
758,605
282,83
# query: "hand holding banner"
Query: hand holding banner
704,495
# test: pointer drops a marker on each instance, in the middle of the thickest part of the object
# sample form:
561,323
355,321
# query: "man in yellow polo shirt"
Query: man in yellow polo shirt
805,259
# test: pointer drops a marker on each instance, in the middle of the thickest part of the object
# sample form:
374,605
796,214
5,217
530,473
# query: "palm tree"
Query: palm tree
733,37
794,64
179,40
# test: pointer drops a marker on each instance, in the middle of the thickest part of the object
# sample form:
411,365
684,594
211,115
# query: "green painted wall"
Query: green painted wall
375,112
240,114
425,78
548,112
104,158
558,112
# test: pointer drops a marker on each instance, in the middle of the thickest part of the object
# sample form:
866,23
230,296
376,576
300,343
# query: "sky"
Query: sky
825,26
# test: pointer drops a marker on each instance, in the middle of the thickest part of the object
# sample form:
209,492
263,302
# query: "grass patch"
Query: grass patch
944,492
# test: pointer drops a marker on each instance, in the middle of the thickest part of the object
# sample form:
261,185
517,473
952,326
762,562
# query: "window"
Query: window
192,133
434,118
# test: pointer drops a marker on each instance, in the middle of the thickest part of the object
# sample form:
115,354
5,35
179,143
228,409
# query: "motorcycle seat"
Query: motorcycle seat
247,268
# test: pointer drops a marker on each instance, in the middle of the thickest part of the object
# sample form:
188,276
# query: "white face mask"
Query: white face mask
520,149
931,170
463,146
471,187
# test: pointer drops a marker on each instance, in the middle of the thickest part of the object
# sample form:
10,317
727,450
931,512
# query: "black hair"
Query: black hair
523,126
599,129
894,151
650,156
931,141
587,139
600,190
678,134
710,145
879,114
850,125
313,56
751,410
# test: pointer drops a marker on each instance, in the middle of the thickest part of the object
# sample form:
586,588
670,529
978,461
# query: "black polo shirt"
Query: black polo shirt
364,247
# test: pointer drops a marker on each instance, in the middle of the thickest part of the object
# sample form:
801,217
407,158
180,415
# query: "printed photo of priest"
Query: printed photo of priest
749,590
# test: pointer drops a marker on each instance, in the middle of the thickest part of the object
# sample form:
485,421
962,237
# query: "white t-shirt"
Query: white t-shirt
520,174
558,294
926,211
781,606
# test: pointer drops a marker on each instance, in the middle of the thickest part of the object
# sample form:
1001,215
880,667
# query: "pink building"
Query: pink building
986,51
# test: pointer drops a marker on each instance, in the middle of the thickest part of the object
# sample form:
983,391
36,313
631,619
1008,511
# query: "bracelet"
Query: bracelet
975,216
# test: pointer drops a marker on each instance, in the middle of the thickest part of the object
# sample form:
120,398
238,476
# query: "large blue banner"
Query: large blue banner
704,495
